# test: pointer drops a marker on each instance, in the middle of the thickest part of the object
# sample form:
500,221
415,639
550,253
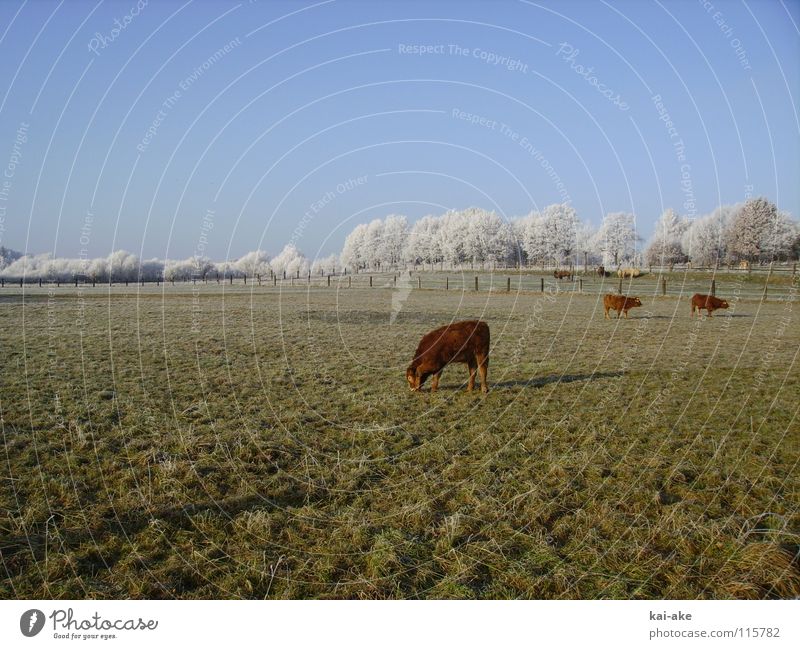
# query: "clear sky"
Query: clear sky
293,121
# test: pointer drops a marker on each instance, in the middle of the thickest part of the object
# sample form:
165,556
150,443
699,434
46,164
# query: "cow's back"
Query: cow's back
701,301
456,341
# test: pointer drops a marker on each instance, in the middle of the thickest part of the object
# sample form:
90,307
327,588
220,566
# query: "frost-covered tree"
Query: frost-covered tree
452,239
195,267
517,232
395,236
486,237
781,239
666,245
325,265
585,238
560,231
704,239
151,270
353,251
123,266
8,256
759,232
616,239
534,237
422,245
373,244
291,261
252,264
501,243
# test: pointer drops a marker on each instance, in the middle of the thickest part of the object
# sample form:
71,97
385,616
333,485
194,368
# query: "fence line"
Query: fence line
655,285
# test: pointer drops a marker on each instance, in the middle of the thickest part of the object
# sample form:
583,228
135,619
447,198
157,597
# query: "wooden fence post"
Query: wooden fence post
713,287
508,285
542,284
419,281
350,281
446,283
663,286
274,280
619,287
580,286
766,282
329,280
370,281
476,282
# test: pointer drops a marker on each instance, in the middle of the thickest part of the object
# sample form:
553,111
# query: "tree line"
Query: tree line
753,231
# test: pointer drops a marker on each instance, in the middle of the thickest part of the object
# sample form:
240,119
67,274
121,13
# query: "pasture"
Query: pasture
262,442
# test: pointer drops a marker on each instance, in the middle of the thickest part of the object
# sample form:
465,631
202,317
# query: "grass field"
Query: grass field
263,443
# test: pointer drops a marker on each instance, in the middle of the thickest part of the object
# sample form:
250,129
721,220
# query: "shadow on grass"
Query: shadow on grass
534,382
539,382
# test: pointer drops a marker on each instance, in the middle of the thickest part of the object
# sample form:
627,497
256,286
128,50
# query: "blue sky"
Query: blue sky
293,121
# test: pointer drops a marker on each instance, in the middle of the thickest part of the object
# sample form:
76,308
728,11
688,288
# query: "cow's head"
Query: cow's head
636,301
723,304
413,379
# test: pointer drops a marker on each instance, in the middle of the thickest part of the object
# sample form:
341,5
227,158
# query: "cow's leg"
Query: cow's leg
483,369
607,318
710,311
626,313
472,368
619,313
435,381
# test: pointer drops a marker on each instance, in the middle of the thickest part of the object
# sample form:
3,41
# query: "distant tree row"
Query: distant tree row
122,266
753,231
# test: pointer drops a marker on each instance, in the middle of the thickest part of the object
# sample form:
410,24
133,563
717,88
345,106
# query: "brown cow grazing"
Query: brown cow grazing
460,342
620,304
707,302
562,274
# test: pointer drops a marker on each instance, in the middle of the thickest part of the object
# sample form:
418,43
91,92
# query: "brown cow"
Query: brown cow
601,270
707,302
620,304
562,274
460,342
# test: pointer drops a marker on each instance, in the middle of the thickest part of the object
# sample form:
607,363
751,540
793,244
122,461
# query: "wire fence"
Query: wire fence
754,285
